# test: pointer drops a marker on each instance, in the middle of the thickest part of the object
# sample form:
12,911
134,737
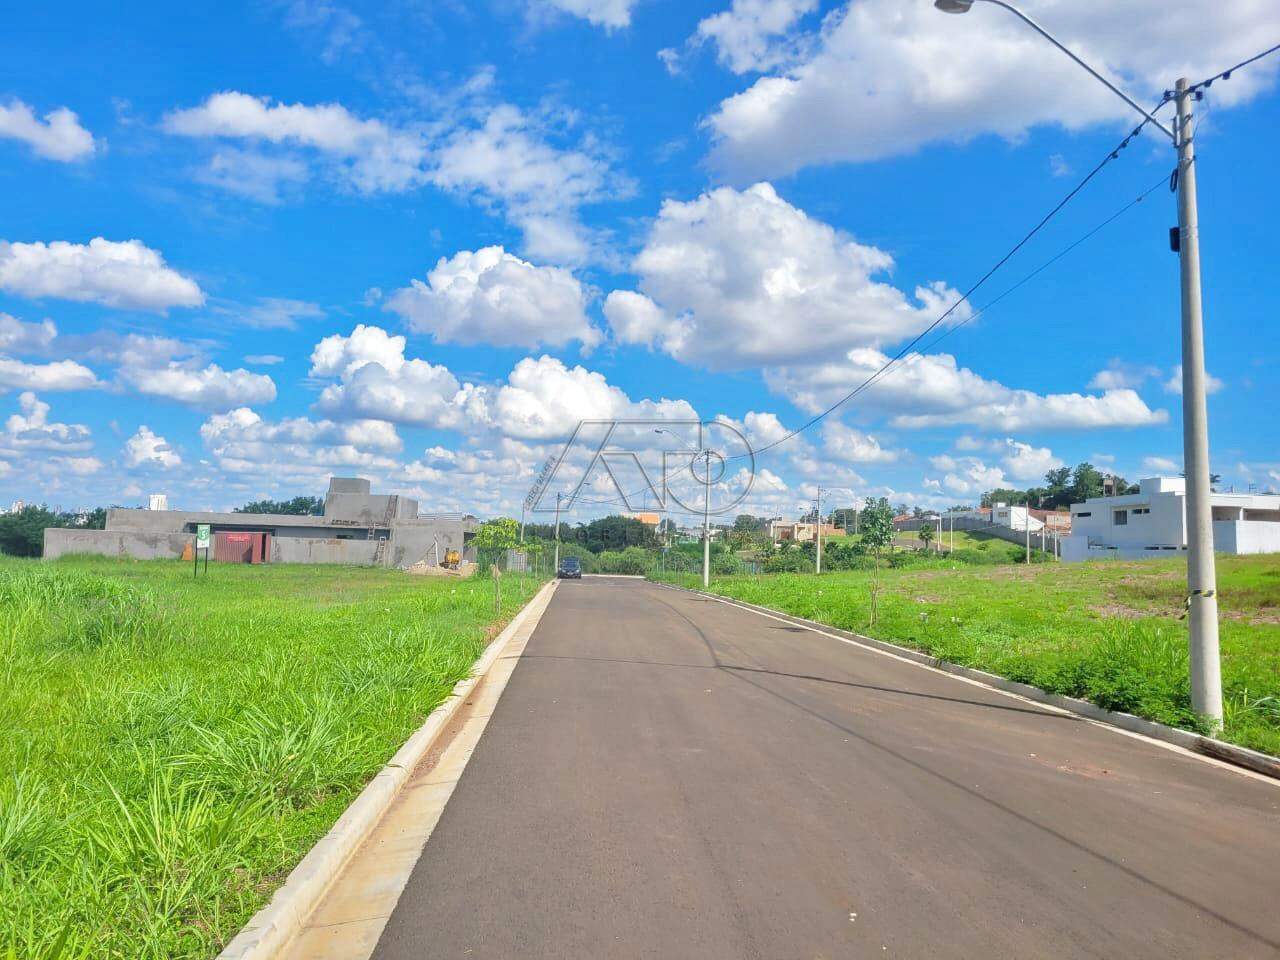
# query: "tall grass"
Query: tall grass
172,747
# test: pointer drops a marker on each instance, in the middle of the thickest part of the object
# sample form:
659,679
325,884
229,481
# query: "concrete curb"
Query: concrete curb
1262,763
273,927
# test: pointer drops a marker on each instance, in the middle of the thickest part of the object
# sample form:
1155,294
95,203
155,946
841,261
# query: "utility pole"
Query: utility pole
1026,526
523,507
817,507
557,566
1202,580
706,522
951,516
1202,586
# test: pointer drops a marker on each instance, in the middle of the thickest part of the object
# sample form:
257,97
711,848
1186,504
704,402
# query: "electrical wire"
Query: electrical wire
964,298
1226,74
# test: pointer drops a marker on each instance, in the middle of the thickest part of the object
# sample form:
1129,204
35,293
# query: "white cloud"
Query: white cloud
243,442
737,279
1025,462
970,476
377,381
507,161
544,399
610,14
497,154
747,35
845,443
634,318
372,156
80,466
146,448
492,297
1174,384
17,336
929,390
116,274
127,349
210,388
263,359
1163,466
59,137
262,177
886,77
31,430
274,313
1119,375
57,375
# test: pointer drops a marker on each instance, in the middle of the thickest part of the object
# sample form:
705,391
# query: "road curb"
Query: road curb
1252,760
273,927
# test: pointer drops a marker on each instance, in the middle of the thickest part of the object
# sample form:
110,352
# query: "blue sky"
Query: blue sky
612,208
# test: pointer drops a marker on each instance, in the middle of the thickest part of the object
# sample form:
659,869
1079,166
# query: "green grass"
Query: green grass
173,747
1105,631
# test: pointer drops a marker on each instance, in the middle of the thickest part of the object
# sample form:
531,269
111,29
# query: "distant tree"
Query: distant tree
876,524
1003,495
297,507
615,533
1086,482
747,523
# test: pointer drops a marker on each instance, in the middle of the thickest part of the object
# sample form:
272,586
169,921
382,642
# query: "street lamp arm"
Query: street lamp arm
1105,82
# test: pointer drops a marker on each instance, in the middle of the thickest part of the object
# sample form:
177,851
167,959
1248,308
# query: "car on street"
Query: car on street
570,569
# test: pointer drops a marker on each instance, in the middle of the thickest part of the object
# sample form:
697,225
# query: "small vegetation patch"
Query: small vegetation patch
172,747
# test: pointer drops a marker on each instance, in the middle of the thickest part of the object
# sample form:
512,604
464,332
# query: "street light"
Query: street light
1202,599
706,507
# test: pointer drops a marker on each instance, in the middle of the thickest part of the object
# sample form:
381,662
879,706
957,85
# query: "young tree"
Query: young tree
926,533
876,524
500,534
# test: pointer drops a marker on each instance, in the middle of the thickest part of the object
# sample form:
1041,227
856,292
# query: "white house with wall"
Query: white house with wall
1152,523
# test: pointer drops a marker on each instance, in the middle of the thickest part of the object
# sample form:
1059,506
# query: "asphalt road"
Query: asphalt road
668,776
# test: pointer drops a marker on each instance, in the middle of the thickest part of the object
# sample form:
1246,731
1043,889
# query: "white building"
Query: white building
1152,523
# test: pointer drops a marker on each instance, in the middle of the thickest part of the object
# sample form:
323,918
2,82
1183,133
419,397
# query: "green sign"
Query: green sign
202,536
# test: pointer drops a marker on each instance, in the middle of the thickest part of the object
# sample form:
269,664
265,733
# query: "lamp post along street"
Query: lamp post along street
1202,599
557,562
818,531
706,522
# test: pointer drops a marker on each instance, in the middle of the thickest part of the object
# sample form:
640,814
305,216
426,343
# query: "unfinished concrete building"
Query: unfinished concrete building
357,527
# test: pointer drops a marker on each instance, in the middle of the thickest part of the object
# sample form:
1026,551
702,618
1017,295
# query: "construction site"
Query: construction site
357,528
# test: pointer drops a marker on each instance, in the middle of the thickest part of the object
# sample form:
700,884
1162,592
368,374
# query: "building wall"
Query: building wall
316,550
415,540
59,542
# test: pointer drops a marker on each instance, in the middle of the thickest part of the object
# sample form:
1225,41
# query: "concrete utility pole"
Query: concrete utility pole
1202,587
557,566
1202,578
706,521
1026,527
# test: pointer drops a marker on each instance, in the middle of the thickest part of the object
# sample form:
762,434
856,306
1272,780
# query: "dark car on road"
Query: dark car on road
570,569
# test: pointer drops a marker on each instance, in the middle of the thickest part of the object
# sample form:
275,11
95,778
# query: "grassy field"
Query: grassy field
1104,631
172,748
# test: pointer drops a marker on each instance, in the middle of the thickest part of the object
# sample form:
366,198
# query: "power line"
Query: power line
1050,262
1226,74
964,298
